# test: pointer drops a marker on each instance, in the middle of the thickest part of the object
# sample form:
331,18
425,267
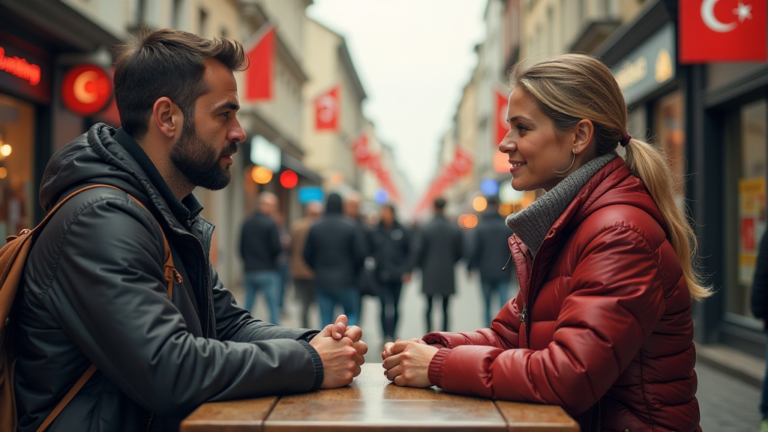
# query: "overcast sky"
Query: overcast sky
414,58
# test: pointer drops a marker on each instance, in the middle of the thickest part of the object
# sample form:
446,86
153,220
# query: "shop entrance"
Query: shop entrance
17,127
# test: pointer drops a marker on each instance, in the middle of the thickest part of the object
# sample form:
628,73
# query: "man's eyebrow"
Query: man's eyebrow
227,105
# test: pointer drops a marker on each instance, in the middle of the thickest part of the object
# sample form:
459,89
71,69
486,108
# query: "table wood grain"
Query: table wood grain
372,403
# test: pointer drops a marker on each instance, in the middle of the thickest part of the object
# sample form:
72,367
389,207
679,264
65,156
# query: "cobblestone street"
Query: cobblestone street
727,404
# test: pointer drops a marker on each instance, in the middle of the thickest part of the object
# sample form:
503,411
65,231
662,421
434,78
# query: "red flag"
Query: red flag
360,149
722,30
462,162
259,75
327,108
501,117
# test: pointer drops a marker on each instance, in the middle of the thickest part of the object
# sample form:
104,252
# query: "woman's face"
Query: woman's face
535,151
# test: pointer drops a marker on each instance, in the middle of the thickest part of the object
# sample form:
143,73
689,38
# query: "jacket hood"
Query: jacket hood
95,157
333,205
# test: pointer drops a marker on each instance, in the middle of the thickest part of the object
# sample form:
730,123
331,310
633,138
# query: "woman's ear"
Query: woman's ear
584,134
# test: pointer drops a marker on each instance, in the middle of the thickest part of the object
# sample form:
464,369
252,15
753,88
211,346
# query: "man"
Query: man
490,254
302,274
391,250
366,283
335,251
436,250
94,289
260,247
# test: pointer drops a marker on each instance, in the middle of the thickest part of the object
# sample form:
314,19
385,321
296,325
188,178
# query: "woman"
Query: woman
391,250
602,324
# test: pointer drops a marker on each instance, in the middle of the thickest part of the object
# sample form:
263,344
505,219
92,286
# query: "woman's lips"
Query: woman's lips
516,166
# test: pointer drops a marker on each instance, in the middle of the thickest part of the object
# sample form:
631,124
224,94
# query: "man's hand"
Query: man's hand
341,351
408,365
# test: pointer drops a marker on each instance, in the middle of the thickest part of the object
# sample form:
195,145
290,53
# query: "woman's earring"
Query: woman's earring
569,167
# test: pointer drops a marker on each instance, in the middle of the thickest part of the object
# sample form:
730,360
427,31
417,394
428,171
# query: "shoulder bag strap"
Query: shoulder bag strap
171,275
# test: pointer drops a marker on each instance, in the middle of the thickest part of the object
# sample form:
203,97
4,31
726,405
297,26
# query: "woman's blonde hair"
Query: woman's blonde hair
572,87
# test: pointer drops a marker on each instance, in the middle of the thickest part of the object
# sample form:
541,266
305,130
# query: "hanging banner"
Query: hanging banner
360,149
751,225
259,76
327,109
722,31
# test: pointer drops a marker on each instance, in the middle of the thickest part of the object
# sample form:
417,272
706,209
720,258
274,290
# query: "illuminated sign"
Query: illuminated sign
19,67
86,89
265,153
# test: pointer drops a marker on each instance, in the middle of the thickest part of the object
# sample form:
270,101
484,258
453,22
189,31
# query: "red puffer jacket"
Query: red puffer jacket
602,325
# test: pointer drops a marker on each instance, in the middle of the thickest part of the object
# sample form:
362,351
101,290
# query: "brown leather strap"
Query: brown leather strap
170,274
67,398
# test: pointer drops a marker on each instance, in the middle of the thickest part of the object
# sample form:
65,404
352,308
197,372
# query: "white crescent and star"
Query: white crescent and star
742,12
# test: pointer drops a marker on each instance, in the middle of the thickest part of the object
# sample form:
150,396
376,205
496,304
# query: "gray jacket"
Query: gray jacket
94,292
437,248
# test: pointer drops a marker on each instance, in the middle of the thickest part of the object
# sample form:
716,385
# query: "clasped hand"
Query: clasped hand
341,351
406,363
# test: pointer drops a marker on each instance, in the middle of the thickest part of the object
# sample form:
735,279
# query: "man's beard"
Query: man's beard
199,162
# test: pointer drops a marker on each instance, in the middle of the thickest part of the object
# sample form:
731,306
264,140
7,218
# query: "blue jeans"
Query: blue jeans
349,298
267,281
501,289
764,395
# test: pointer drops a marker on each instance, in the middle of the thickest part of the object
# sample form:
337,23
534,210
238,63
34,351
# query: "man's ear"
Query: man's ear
584,131
167,117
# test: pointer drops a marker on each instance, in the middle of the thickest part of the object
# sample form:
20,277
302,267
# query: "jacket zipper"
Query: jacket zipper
149,425
507,264
206,282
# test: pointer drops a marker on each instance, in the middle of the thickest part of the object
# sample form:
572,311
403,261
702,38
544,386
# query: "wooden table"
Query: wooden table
372,403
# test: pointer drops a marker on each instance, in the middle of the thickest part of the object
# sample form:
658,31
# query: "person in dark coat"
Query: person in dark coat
260,247
759,300
391,251
490,255
303,276
436,250
335,251
94,290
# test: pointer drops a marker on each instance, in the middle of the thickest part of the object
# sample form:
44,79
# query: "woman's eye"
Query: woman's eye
522,128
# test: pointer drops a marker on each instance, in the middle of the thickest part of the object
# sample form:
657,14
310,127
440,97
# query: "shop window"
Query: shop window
670,137
16,144
745,204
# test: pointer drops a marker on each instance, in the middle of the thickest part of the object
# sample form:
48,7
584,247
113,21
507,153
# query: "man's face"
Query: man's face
203,152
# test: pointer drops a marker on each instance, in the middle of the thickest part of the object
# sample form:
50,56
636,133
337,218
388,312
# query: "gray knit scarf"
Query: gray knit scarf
532,224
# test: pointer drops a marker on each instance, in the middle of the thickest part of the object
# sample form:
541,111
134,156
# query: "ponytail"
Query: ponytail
647,163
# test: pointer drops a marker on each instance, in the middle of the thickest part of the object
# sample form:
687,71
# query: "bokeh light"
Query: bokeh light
479,204
289,179
469,221
380,196
489,187
6,150
261,175
3,172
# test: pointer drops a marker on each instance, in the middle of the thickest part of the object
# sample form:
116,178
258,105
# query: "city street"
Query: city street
727,404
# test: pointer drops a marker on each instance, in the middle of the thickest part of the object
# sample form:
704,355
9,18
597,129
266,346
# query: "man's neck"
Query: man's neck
177,182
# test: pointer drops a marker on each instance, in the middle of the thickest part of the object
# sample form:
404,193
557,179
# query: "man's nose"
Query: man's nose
236,134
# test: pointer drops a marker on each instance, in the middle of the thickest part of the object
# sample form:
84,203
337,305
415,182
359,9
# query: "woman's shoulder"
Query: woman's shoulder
622,218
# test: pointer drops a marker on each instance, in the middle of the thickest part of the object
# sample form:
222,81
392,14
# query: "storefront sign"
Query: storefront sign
649,66
752,225
20,67
265,153
86,89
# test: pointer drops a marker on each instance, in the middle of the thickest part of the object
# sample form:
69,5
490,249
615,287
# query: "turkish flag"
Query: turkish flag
259,75
502,127
722,31
327,108
462,162
360,149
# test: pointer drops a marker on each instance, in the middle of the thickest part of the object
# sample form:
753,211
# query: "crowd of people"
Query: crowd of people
337,256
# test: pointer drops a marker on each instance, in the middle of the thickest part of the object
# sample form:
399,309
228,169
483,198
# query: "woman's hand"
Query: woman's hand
388,346
408,363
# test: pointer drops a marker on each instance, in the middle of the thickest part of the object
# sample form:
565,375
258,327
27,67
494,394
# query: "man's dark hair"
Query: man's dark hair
493,201
439,203
168,63
391,208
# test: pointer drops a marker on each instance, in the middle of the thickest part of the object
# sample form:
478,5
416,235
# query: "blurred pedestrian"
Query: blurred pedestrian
335,251
259,248
602,326
759,302
283,260
302,274
367,279
436,250
490,256
391,253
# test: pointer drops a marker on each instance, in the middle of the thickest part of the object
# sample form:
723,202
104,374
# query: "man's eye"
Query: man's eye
225,114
